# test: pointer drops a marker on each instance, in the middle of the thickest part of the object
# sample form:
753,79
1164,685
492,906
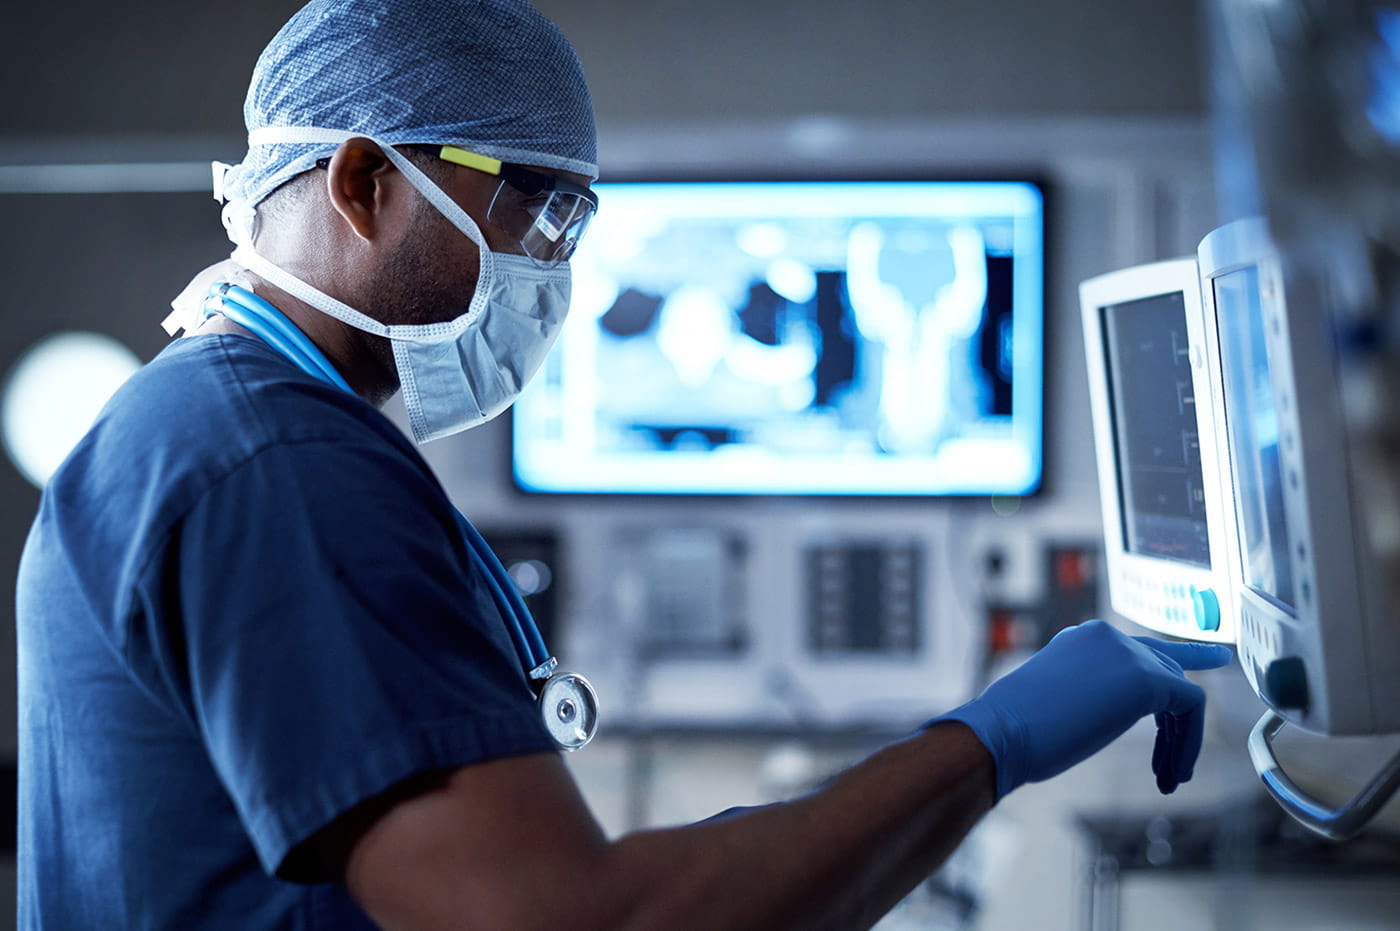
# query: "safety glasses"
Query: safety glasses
548,215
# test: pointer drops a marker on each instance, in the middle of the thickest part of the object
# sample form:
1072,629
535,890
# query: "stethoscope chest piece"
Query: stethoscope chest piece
569,707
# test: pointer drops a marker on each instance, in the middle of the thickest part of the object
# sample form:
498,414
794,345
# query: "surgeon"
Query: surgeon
267,679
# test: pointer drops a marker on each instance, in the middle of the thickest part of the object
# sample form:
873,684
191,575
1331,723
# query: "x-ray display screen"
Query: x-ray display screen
815,338
1252,425
1157,446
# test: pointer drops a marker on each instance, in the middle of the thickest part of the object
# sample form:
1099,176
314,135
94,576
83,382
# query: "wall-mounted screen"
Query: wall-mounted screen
807,338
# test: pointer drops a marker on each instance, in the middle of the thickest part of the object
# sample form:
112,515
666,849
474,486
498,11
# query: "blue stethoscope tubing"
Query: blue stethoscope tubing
266,322
252,313
529,642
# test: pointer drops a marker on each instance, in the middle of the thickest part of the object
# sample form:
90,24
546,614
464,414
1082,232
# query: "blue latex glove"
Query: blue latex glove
1084,689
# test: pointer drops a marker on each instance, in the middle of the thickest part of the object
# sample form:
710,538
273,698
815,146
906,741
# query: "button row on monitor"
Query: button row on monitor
1182,615
1166,589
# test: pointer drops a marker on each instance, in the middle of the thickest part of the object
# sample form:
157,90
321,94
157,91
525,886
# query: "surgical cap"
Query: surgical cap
492,76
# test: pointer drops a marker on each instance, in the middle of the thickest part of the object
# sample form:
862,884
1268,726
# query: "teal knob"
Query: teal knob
1207,608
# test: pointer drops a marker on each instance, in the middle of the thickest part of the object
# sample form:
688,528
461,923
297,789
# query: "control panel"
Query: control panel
1171,602
863,597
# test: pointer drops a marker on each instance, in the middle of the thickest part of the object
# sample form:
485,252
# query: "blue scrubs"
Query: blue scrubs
243,608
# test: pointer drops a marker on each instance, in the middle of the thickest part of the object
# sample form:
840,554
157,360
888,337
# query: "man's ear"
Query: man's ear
355,184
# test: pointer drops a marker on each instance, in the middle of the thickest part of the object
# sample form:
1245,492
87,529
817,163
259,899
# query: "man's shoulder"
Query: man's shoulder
232,396
206,406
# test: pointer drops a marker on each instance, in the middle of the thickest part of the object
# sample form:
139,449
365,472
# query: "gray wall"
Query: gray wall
773,59
171,67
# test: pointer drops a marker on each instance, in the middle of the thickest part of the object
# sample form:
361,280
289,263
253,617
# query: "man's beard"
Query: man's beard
417,284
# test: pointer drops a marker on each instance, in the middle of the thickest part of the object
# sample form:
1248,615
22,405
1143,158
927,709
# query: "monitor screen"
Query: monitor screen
1253,436
814,338
1157,448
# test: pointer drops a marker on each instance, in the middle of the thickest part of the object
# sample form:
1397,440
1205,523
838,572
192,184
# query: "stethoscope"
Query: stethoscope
568,705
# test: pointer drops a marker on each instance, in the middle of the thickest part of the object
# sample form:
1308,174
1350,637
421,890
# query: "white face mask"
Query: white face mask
459,373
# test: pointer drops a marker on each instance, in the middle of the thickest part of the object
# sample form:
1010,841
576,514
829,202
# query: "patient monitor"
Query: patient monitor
1317,638
1223,472
1306,112
1159,475
1317,635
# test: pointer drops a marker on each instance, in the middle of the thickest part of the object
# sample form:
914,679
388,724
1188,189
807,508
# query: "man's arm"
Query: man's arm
511,844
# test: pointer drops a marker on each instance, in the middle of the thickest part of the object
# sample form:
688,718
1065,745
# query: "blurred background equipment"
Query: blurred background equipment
1306,101
1307,124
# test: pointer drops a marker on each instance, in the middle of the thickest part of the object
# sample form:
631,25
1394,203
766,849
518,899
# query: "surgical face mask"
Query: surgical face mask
461,372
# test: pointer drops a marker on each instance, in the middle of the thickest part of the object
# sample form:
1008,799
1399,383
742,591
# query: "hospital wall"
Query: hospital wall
1104,100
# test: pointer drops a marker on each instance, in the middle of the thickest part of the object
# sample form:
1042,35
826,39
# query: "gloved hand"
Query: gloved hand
1080,692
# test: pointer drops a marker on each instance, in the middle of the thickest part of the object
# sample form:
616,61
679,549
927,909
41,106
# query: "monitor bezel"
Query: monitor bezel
1044,189
1153,591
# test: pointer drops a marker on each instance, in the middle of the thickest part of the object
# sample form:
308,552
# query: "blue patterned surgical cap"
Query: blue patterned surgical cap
493,76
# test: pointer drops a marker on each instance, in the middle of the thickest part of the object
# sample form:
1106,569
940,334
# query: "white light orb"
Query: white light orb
53,395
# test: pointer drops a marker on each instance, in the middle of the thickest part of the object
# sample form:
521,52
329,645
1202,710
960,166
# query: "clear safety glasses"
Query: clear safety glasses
548,215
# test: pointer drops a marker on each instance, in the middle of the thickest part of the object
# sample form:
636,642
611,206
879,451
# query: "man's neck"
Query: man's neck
370,374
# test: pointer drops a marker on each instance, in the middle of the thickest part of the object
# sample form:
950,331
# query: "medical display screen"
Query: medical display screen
1252,425
813,338
1157,447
